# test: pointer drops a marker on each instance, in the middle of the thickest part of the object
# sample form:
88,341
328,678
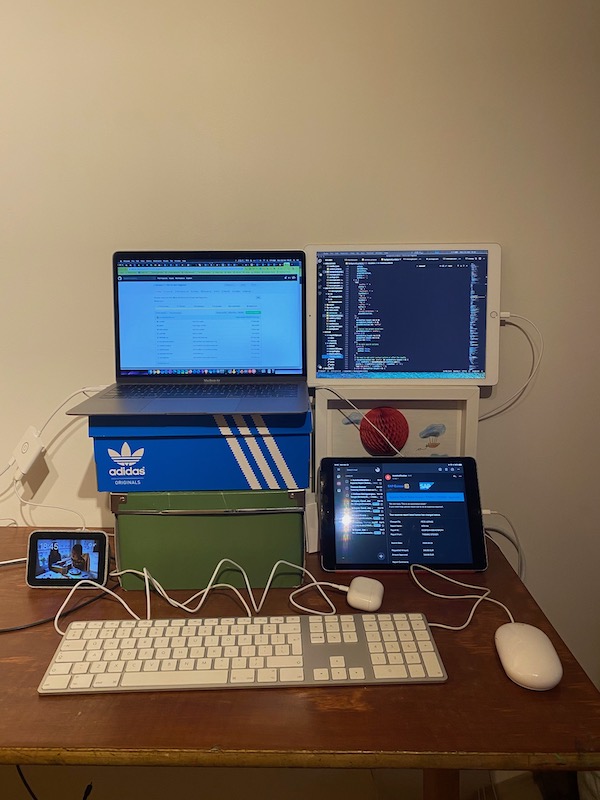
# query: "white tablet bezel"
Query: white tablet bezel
492,327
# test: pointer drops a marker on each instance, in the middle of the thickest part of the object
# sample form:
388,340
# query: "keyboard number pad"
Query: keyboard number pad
401,647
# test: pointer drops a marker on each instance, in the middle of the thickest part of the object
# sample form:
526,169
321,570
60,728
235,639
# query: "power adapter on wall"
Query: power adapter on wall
29,448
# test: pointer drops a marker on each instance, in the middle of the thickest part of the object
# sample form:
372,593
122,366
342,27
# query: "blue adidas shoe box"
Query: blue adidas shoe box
200,453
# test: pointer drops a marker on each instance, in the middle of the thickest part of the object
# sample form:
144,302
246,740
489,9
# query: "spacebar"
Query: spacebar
175,680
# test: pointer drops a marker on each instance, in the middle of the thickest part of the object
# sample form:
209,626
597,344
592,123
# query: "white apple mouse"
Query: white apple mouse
528,656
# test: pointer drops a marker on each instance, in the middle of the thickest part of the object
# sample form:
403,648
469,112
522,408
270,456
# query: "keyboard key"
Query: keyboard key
81,681
432,665
55,682
284,661
243,675
389,671
108,681
291,674
174,680
267,675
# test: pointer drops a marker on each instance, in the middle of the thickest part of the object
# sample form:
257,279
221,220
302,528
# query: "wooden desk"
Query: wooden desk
477,720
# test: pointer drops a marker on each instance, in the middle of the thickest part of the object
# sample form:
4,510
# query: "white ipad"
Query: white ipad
415,314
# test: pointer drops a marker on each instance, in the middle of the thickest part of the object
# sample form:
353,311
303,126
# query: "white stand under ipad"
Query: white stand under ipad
403,421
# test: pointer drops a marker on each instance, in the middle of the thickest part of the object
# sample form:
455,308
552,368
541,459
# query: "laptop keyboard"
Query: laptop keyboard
202,390
244,652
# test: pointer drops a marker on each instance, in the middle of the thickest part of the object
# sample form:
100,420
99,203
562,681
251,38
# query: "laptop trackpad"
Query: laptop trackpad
191,405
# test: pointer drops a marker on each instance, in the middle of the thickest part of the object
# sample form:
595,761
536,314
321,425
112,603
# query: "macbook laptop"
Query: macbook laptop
207,333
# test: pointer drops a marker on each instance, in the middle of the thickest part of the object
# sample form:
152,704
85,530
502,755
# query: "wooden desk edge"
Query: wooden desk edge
307,759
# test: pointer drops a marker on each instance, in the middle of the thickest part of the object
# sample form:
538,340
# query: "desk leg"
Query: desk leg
441,784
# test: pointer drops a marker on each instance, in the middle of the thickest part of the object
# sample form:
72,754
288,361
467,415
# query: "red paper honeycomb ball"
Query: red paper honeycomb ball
392,424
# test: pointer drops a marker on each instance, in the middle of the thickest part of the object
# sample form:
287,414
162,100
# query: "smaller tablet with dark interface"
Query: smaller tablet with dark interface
384,514
59,558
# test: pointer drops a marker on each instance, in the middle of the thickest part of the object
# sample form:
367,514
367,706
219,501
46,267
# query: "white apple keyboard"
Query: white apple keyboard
243,652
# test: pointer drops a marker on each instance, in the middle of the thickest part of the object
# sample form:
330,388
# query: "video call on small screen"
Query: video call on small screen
67,558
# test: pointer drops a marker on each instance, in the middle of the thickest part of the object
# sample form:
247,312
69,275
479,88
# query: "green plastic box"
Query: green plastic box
180,537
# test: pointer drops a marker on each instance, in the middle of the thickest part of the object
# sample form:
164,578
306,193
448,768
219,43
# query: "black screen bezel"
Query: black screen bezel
65,535
327,529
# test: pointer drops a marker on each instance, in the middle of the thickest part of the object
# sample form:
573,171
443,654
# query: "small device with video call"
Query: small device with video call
59,558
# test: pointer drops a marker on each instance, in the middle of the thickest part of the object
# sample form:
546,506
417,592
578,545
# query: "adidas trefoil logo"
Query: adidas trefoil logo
126,458
126,461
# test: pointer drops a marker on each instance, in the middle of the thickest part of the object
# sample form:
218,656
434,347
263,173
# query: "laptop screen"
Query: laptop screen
181,315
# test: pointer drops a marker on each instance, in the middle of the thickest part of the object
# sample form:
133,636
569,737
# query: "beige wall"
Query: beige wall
230,123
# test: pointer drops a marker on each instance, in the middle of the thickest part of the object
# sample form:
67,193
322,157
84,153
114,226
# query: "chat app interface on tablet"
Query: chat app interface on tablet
393,514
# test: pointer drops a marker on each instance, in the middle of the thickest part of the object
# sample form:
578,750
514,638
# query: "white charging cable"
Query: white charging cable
33,447
479,598
363,593
26,502
535,366
363,416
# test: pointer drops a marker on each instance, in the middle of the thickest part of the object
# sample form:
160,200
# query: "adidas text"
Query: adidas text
127,471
